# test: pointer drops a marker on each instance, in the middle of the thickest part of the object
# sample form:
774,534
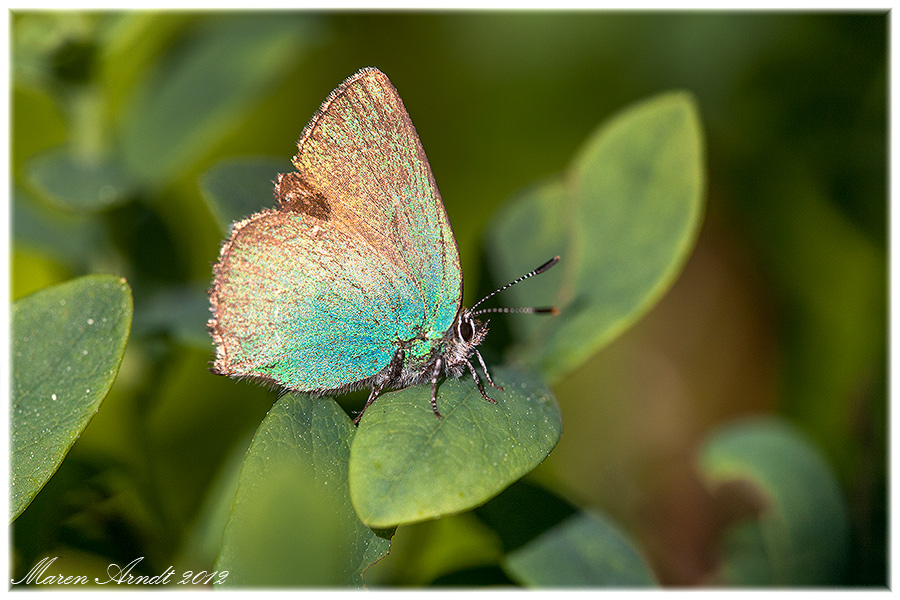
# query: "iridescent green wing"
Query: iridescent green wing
357,256
304,303
361,157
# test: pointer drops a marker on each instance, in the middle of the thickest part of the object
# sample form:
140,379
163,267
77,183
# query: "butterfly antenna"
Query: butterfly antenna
537,271
519,309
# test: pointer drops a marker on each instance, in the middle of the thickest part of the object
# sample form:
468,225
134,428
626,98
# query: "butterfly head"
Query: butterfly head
466,333
469,330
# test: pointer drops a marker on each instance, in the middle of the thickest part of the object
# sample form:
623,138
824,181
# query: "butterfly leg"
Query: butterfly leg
372,395
479,384
438,364
393,373
486,374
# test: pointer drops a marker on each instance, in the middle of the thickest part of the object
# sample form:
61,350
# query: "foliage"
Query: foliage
67,344
583,551
799,533
625,216
292,522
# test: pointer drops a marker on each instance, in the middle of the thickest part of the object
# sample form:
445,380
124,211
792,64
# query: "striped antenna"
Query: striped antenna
521,309
537,271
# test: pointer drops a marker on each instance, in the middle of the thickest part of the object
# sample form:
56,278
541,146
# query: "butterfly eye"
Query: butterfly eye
465,330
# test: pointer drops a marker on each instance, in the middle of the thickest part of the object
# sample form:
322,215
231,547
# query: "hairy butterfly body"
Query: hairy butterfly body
353,279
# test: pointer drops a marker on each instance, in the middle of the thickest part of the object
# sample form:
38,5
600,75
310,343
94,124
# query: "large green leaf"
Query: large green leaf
584,550
216,78
801,534
292,523
235,189
67,344
623,219
406,465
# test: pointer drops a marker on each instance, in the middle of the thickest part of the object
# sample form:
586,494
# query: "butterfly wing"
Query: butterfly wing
358,254
304,303
383,185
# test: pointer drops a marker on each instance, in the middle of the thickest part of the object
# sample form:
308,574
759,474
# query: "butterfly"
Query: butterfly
353,279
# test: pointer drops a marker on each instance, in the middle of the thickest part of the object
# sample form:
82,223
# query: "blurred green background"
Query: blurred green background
781,309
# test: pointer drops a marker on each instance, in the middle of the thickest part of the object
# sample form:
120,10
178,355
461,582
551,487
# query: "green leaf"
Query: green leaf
67,344
801,535
79,183
292,523
235,189
406,465
585,550
215,79
623,219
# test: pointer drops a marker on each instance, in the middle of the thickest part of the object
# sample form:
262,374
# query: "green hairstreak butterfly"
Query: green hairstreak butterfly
353,279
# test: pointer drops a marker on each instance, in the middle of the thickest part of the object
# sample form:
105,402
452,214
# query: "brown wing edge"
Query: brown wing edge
223,364
334,95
